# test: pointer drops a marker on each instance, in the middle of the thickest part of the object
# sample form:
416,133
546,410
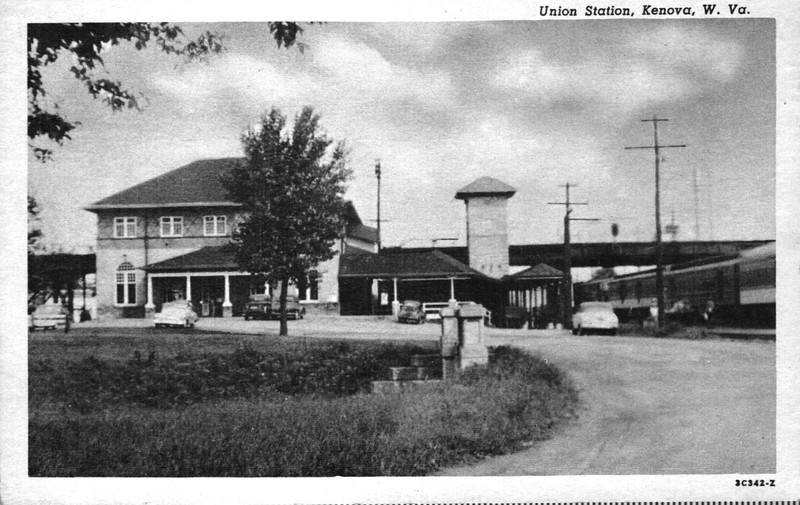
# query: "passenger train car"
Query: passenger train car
740,288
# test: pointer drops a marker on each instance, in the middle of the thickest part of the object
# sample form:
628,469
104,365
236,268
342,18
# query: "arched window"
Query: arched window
126,284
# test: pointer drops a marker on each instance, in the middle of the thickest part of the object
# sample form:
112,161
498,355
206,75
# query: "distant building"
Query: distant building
169,238
376,284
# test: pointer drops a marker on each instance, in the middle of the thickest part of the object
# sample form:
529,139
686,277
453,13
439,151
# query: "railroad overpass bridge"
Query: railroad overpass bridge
609,254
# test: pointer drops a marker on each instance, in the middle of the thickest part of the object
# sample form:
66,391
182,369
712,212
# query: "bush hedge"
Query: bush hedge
320,429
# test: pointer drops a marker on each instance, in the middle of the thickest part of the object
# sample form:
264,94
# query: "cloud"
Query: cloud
599,81
692,50
338,73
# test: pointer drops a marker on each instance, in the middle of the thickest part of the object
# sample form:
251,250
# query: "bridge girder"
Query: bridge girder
609,254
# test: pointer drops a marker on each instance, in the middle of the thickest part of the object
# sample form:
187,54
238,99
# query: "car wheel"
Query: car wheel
574,331
581,331
246,318
612,331
187,324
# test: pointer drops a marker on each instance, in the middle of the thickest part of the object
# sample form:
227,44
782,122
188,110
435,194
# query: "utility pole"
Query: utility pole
378,175
696,205
566,296
659,246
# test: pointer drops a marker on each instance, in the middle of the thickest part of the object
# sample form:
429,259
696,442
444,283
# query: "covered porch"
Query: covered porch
533,295
208,278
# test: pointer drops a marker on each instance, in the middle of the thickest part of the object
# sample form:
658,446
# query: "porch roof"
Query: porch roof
406,265
219,258
541,271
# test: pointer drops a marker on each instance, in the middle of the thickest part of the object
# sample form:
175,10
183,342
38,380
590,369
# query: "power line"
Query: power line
659,247
566,298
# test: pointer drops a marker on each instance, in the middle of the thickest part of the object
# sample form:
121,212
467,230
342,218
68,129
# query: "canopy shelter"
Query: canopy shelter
377,283
535,291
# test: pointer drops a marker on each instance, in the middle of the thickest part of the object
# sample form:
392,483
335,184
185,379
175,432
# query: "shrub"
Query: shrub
164,382
490,410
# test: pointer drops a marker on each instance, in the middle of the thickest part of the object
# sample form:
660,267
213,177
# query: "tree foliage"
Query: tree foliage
291,185
85,43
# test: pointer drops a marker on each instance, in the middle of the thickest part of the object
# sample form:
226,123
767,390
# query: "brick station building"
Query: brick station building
169,238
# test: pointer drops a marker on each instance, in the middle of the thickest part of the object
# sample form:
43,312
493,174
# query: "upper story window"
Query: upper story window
124,227
215,225
171,226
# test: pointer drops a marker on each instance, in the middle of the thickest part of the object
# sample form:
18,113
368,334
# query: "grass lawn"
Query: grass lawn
146,403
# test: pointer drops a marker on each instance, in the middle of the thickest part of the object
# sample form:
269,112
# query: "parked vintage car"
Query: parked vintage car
258,307
48,317
177,313
411,312
293,308
595,316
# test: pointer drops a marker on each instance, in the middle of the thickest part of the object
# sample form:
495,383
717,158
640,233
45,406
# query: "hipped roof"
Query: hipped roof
540,271
406,265
209,258
196,184
486,186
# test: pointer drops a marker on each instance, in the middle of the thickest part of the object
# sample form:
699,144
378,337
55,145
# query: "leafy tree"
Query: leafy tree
291,185
34,233
85,42
34,244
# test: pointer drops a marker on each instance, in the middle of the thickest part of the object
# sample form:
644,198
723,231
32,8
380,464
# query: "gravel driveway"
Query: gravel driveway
654,406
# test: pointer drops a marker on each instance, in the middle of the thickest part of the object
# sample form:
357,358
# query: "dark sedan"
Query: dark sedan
411,312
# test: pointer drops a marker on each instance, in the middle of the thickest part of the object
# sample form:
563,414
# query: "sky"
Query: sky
535,104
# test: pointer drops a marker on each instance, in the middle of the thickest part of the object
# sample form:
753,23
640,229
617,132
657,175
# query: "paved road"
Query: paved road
654,406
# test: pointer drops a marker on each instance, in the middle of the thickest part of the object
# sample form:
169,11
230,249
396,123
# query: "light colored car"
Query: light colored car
178,313
48,317
595,316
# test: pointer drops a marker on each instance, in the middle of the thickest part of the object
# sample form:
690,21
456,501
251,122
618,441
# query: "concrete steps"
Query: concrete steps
410,373
425,370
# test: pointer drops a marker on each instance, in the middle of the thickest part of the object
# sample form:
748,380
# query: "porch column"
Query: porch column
395,302
452,290
188,288
149,306
227,306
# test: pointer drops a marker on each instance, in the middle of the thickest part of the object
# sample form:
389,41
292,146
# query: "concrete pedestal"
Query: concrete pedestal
472,349
462,339
449,343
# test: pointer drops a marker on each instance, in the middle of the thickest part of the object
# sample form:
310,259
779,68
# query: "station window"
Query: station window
308,287
215,226
124,227
171,226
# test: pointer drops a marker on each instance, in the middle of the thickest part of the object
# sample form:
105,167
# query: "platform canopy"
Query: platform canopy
430,264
